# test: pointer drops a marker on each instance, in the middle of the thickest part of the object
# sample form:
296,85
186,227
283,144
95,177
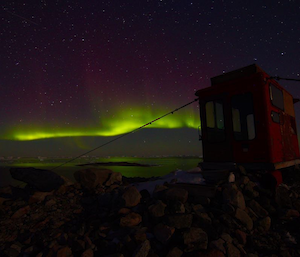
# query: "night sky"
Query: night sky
74,74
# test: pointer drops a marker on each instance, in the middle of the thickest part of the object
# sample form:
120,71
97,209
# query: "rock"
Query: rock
244,180
198,208
11,252
131,196
228,208
231,177
249,190
143,249
67,182
282,197
21,212
140,236
264,224
180,221
88,253
176,207
251,255
242,170
15,248
232,251
210,253
2,211
233,196
78,246
39,197
241,236
2,200
61,190
91,178
256,207
204,219
158,209
244,218
175,252
228,221
43,180
290,213
218,245
163,233
176,194
124,211
130,220
6,191
195,239
226,237
115,178
64,252
51,202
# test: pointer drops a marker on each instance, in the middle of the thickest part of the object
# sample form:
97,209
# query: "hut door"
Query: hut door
216,144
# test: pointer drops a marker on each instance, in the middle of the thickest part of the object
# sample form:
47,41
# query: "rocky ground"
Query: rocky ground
104,215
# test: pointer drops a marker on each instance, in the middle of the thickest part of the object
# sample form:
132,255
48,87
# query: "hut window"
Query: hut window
243,117
276,97
215,121
210,114
219,115
236,120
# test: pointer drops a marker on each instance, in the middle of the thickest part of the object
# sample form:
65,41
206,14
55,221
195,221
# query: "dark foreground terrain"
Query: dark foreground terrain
104,215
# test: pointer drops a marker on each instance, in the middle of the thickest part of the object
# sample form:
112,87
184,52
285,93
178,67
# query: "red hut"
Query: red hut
248,119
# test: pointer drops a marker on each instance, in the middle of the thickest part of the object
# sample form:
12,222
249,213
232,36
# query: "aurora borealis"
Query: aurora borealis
122,122
77,73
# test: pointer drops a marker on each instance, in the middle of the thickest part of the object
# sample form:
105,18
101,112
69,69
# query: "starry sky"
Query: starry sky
76,74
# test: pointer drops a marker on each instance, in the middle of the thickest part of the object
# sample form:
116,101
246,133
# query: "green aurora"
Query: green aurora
120,123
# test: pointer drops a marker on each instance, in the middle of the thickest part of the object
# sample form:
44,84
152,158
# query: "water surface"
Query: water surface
162,167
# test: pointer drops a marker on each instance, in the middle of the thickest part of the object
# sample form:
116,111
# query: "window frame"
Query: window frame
243,119
215,134
271,92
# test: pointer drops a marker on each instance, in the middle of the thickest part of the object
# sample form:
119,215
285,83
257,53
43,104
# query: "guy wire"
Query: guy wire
126,134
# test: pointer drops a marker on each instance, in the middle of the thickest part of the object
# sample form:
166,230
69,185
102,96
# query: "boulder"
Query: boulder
175,252
91,178
233,196
180,221
67,182
88,253
249,190
282,197
264,224
203,218
211,253
131,196
218,245
258,209
195,239
38,197
163,233
2,200
130,220
143,249
21,212
64,252
244,218
232,251
43,180
176,194
115,178
176,207
158,209
241,236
